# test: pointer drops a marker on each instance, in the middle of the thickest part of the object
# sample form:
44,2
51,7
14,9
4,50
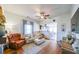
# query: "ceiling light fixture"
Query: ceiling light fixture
43,15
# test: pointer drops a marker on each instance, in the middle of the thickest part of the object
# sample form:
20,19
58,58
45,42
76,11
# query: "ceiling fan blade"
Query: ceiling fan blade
38,17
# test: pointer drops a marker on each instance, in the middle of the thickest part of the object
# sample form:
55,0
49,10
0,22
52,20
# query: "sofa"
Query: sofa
16,41
40,35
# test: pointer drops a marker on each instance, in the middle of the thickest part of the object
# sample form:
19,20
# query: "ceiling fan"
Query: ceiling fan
43,15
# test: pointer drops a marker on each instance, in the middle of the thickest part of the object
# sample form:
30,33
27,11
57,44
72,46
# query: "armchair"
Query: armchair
15,41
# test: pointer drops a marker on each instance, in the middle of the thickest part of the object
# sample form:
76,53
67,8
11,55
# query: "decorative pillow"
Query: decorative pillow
66,45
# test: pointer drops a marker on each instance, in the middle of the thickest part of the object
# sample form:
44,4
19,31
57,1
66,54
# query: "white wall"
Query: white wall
15,21
66,21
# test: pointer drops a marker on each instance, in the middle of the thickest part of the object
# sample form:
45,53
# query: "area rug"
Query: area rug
34,49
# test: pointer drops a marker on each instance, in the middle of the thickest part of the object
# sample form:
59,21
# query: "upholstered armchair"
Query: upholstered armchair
15,41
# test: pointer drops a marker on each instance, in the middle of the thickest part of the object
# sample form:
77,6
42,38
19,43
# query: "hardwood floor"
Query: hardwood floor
11,51
51,48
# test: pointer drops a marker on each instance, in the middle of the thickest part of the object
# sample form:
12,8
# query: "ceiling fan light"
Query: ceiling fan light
42,17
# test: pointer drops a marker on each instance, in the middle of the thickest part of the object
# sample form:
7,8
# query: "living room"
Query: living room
41,28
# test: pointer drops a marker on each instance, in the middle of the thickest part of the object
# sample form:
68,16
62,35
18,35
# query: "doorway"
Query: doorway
50,29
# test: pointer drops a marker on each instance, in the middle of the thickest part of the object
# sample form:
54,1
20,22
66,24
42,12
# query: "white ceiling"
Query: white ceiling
32,9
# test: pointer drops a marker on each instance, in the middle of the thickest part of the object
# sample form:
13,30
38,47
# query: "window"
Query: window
51,30
28,29
52,27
